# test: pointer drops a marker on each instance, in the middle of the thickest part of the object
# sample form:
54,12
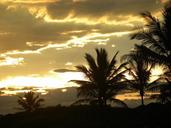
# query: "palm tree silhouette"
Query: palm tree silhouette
155,38
140,71
164,87
29,102
103,79
156,43
165,94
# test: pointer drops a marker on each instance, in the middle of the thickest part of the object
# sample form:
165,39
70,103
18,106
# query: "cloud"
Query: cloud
28,2
21,30
64,70
100,8
20,27
9,61
52,58
39,39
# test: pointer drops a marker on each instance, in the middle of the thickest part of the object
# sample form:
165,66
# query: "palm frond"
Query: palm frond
151,55
85,71
111,65
118,70
86,89
102,74
117,77
102,58
155,37
91,62
29,102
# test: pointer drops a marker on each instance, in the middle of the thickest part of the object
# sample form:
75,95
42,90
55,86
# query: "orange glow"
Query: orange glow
134,96
163,1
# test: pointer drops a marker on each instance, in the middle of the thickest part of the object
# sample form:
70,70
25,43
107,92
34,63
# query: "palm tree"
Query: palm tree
165,94
103,79
140,71
164,87
29,102
156,42
156,38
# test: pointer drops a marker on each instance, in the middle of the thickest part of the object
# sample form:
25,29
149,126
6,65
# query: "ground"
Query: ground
150,116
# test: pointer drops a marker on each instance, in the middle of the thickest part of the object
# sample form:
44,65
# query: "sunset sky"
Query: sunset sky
41,41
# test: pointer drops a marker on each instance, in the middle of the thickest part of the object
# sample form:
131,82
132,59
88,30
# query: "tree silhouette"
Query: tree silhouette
155,37
156,43
165,94
140,71
103,79
29,102
164,86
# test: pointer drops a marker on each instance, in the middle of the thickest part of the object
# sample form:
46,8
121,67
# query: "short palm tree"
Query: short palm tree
165,94
164,87
140,71
29,102
103,79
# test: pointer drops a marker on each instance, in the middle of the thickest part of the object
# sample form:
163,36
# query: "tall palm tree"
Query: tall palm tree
29,102
156,42
103,79
156,37
140,71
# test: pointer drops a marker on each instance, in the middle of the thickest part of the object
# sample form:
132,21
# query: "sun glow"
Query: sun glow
156,72
14,85
9,61
41,84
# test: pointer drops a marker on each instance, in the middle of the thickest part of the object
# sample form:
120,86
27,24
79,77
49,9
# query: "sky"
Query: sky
41,41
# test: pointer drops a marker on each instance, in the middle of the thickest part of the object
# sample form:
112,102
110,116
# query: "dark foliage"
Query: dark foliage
155,37
151,116
103,79
140,70
29,102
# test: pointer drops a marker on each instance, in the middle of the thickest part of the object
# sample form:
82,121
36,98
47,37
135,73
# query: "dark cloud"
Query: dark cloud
100,8
64,70
18,26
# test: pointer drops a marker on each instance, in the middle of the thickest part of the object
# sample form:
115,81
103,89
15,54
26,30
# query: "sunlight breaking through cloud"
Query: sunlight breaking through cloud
58,80
9,61
41,84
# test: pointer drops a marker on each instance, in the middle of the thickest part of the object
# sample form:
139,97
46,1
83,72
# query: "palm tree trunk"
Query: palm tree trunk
105,102
142,100
142,96
100,101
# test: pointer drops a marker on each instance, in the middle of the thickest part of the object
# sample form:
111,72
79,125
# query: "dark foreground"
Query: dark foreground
150,116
